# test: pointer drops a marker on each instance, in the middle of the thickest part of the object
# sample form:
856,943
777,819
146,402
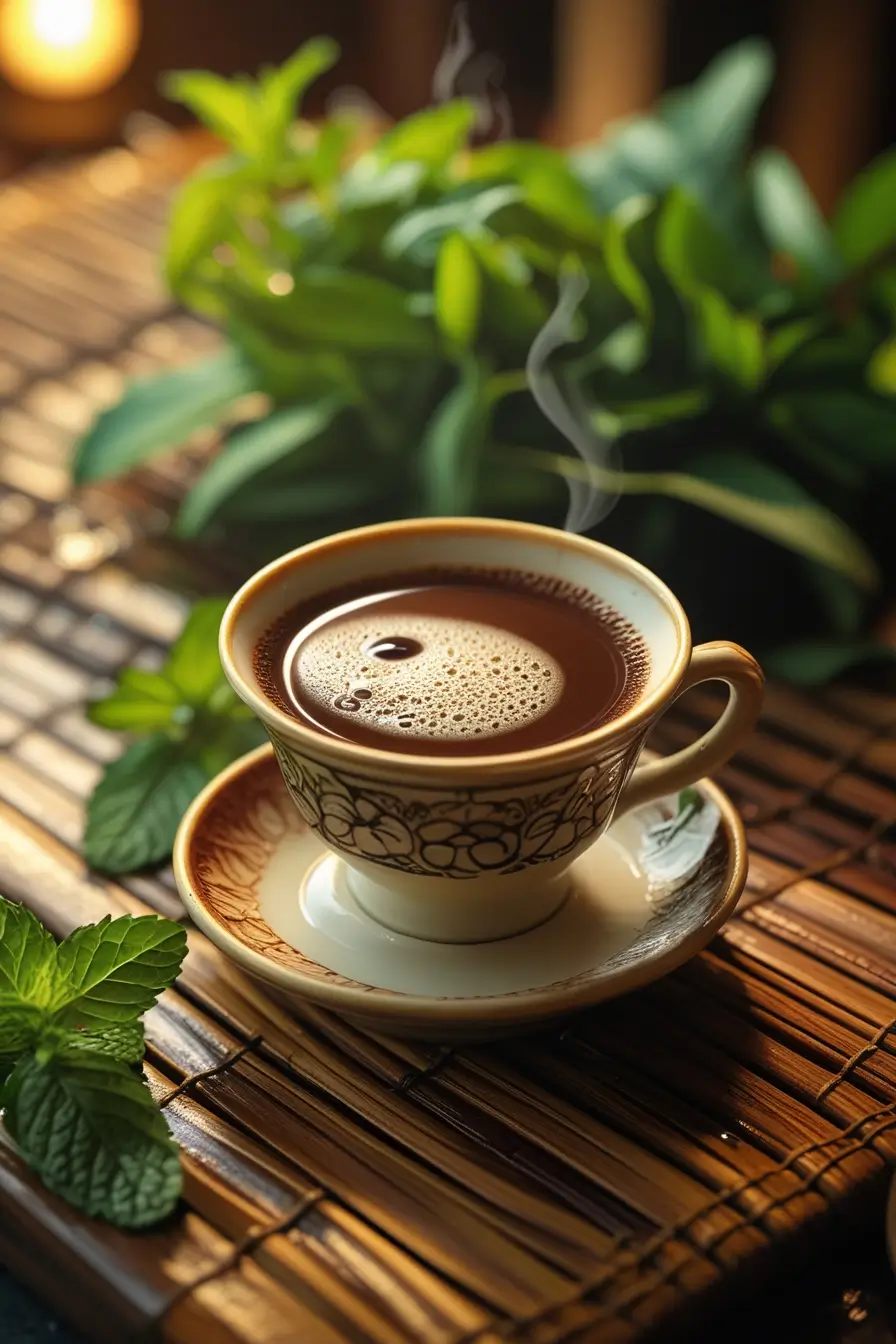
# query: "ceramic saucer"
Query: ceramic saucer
647,896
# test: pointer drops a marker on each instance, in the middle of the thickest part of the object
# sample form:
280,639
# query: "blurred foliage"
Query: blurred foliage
739,349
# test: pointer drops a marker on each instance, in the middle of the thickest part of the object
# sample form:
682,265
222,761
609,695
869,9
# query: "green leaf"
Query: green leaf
622,270
281,89
142,702
697,139
250,451
650,412
744,491
549,186
226,106
304,499
342,308
815,663
159,413
233,737
368,184
882,368
732,341
432,136
27,959
418,234
202,216
789,217
333,141
20,1026
135,809
115,970
640,157
512,310
718,113
764,499
90,1129
865,221
860,427
290,372
452,445
695,253
123,1040
458,292
787,339
193,667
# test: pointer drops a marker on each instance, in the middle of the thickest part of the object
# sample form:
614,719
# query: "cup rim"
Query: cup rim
363,757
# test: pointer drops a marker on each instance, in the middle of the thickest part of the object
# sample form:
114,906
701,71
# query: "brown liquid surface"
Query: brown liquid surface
453,663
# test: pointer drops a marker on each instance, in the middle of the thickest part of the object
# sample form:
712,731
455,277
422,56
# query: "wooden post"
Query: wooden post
609,56
828,84
407,40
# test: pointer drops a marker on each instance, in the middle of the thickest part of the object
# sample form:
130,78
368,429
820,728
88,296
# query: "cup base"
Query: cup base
462,914
601,909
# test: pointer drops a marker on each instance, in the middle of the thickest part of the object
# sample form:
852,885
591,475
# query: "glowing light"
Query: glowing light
281,282
67,48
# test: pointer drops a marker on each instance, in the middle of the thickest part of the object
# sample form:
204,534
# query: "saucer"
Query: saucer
642,900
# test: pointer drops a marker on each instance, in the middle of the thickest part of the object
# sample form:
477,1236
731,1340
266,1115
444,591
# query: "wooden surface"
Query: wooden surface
627,1173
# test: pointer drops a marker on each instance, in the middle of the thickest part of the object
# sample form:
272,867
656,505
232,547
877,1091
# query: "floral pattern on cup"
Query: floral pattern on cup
463,833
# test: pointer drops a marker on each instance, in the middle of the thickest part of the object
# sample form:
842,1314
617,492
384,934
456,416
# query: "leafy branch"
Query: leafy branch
190,724
385,297
71,1042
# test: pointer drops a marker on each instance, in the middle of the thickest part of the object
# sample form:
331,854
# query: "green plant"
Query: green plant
189,723
71,1041
736,348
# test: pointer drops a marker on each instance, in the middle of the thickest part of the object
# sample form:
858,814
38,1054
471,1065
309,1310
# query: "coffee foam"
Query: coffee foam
470,680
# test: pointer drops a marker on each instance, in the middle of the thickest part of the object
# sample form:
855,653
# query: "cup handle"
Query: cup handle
709,662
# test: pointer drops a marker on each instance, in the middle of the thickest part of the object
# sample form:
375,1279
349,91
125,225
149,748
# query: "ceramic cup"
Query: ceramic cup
465,849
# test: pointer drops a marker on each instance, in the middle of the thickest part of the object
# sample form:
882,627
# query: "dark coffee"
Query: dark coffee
453,662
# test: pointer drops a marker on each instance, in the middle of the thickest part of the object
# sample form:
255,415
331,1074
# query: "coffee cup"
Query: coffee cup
471,848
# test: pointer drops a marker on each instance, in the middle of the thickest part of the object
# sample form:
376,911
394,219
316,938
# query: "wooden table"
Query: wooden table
630,1173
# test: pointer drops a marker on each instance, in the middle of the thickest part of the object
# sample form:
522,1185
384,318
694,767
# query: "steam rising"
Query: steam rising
464,72
588,503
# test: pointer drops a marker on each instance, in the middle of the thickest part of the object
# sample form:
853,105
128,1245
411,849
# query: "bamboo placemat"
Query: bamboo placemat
601,1181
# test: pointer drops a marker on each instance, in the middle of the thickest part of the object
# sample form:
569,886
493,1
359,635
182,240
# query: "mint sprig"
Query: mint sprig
76,1106
190,725
90,1129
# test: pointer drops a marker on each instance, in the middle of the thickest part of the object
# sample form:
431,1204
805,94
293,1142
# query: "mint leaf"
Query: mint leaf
230,740
20,1025
27,959
198,726
159,413
125,1041
134,811
115,970
193,668
142,702
253,449
90,1129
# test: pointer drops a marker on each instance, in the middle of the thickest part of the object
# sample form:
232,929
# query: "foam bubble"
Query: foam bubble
468,680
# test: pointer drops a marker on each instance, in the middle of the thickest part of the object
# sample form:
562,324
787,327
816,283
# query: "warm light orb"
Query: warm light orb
67,48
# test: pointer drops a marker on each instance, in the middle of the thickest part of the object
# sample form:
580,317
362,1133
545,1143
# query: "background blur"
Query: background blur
571,66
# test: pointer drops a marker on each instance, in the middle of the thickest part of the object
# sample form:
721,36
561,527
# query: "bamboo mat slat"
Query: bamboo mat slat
609,1179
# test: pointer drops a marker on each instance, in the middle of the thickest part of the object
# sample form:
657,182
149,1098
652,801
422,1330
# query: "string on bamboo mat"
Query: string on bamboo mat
624,1259
860,1056
822,868
212,1071
838,764
247,1244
